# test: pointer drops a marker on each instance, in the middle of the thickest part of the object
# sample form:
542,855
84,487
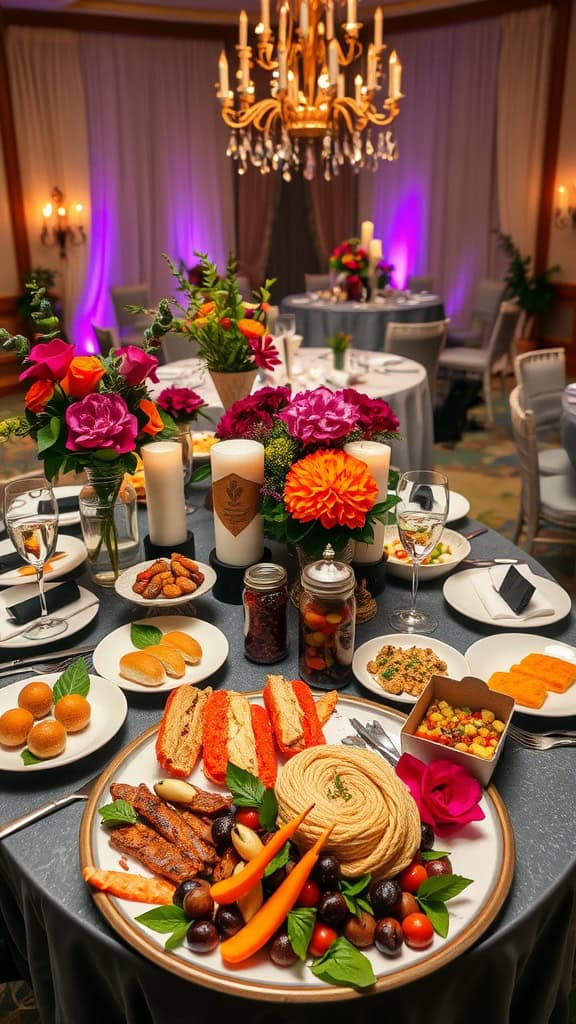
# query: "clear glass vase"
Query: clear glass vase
109,520
184,436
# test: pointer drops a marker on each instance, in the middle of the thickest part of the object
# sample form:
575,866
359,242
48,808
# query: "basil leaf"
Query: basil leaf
301,923
164,919
343,964
434,854
178,935
246,789
268,810
29,758
357,886
443,887
278,861
437,913
74,680
142,636
201,472
120,812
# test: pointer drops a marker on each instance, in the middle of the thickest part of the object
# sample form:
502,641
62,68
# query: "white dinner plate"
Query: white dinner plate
75,554
458,507
124,581
499,652
65,518
483,851
214,646
109,709
459,592
76,621
456,663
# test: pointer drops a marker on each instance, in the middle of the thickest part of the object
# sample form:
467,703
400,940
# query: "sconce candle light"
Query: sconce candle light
56,229
565,212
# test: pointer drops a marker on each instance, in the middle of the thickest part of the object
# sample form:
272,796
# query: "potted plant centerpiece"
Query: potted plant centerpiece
534,292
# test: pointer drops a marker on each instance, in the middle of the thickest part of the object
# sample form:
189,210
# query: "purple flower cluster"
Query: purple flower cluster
253,417
180,403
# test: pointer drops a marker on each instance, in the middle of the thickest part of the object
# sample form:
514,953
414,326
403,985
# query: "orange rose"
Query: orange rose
205,309
38,395
83,376
155,423
251,328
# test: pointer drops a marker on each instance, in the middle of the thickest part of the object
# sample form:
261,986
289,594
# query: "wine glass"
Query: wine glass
420,517
31,516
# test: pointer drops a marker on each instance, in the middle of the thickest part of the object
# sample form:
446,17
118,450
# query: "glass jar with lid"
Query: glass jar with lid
327,616
265,600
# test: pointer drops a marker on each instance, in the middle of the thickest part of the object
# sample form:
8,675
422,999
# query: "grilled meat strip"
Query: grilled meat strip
201,826
226,864
209,803
166,820
155,853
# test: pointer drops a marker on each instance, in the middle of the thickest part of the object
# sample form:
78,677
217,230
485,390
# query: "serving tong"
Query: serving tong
373,735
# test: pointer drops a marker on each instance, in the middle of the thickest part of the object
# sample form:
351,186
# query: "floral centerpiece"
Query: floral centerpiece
339,343
313,491
351,263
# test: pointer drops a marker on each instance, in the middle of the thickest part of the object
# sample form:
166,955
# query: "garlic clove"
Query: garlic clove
176,791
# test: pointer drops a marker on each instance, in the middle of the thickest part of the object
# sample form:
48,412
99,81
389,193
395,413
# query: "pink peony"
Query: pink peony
253,417
136,365
373,415
319,416
50,360
447,795
180,403
265,352
101,421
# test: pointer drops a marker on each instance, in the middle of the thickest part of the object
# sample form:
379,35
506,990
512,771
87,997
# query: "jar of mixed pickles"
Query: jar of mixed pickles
265,600
327,615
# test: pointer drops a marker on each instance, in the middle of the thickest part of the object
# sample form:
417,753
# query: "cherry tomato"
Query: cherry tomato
309,894
417,931
322,937
412,877
249,817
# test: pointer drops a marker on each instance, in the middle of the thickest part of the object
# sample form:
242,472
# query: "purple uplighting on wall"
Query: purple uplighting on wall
404,231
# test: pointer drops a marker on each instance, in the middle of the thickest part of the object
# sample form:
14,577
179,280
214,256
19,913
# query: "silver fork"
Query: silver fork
43,666
541,741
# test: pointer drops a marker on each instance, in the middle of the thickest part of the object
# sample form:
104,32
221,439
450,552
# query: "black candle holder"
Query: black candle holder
230,578
187,548
374,573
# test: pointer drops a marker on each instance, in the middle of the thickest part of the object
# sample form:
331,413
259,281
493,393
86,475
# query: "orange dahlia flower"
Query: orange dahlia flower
251,328
38,394
330,486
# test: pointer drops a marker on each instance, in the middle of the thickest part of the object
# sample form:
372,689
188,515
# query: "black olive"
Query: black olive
202,937
327,872
440,866
388,936
198,903
180,891
271,882
360,930
228,921
332,909
280,950
222,829
427,836
385,896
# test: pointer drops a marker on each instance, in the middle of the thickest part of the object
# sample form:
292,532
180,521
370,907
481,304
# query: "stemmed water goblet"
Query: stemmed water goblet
284,333
31,516
420,516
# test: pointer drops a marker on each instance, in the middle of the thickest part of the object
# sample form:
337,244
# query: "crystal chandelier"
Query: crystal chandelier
320,105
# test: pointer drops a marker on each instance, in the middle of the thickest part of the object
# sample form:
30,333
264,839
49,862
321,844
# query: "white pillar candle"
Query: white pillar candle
366,230
375,251
237,476
376,457
243,34
163,475
378,28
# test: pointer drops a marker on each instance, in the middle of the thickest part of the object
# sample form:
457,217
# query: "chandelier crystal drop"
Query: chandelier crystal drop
321,109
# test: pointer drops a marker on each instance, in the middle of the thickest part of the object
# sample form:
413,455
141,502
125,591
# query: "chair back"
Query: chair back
130,295
501,341
420,283
317,282
421,342
524,434
541,377
487,299
107,339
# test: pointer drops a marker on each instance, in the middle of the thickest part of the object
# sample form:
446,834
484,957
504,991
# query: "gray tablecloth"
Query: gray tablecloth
520,970
317,320
568,422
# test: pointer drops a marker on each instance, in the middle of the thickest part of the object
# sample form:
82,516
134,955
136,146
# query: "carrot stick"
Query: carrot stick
268,919
229,889
138,888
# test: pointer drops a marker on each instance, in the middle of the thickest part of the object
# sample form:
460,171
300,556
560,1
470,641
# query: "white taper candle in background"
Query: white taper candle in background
366,230
237,476
375,251
376,457
164,478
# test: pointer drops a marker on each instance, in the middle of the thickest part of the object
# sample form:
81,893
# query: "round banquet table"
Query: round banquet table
519,971
568,422
319,319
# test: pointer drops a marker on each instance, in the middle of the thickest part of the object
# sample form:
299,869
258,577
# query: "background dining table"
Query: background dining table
568,422
318,319
519,971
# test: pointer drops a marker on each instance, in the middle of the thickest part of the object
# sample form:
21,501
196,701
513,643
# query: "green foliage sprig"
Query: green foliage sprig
534,291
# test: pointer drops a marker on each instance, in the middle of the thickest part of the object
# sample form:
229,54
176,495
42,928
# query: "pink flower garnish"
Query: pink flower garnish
265,352
136,365
446,794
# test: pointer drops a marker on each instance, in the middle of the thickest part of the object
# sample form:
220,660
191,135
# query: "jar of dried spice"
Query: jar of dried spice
265,600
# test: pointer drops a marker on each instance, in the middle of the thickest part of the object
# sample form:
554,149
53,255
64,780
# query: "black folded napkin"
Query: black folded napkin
516,590
422,494
11,561
69,504
56,598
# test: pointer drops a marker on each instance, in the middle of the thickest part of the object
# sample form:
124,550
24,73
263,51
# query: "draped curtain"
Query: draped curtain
257,200
334,208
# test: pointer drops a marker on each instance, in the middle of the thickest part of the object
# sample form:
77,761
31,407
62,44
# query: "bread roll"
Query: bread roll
180,734
189,648
15,724
170,658
142,668
47,739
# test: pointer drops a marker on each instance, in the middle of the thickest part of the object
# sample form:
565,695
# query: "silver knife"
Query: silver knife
388,751
8,667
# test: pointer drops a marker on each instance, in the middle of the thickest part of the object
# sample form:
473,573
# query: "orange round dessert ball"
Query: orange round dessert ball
73,711
36,698
47,739
15,725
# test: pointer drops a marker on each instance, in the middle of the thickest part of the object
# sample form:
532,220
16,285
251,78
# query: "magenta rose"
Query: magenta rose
136,365
50,360
101,421
447,795
253,417
180,403
373,415
319,416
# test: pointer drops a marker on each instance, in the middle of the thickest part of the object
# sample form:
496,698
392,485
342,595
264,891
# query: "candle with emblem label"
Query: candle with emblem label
237,476
376,457
164,492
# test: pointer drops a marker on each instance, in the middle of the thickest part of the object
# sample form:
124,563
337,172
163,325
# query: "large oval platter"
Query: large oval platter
483,851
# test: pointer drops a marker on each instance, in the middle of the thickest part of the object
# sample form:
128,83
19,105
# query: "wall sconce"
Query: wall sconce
565,212
56,229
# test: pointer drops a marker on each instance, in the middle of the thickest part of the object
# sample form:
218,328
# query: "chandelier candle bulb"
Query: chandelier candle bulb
378,28
329,20
265,14
282,25
304,18
376,456
333,62
237,476
341,86
245,71
223,72
358,88
243,38
164,492
282,76
371,78
351,12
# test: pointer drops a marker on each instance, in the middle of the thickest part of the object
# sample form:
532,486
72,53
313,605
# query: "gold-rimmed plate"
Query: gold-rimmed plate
483,851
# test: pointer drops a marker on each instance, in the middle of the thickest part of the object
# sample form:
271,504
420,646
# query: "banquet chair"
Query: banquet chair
176,346
421,342
541,378
483,362
544,499
420,283
131,326
107,339
316,282
485,306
